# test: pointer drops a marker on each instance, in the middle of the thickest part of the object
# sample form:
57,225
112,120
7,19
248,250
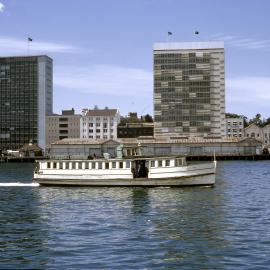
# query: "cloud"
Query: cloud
2,7
244,43
248,95
105,79
11,46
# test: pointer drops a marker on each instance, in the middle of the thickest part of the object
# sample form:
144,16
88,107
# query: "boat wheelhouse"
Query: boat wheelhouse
138,171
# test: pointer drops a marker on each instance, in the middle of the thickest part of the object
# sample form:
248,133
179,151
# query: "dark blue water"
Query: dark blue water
226,227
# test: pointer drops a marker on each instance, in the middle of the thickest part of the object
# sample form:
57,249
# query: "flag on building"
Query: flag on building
30,39
196,32
169,33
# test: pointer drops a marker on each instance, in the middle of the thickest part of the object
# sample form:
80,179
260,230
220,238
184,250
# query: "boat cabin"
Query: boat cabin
139,167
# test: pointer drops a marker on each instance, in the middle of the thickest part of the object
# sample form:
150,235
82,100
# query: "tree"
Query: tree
147,118
256,120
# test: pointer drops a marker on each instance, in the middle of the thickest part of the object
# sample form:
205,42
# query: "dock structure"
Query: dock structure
190,147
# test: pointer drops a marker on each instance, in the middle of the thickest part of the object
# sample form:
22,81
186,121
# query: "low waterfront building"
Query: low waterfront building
134,130
254,131
85,148
235,127
65,125
99,124
266,135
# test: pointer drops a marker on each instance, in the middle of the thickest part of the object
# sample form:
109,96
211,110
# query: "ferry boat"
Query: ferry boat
148,171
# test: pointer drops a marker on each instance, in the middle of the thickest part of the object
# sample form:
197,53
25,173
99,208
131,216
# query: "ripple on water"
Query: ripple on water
226,227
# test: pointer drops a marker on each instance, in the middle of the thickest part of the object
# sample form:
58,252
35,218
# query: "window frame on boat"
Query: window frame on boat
88,165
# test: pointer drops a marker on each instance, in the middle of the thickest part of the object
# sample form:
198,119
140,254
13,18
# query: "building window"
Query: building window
127,164
160,163
152,163
167,163
113,164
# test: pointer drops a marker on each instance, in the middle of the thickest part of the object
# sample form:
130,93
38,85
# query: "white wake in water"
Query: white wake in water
17,184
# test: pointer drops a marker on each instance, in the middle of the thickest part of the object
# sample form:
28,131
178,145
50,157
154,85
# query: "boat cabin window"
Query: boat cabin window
54,165
113,164
120,164
152,164
167,162
160,163
107,165
48,165
178,162
127,164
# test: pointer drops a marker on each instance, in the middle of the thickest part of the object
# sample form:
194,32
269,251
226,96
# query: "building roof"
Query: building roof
188,45
102,112
251,125
147,140
30,147
25,56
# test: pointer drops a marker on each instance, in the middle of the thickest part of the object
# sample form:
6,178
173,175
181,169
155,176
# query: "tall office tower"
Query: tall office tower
25,100
189,95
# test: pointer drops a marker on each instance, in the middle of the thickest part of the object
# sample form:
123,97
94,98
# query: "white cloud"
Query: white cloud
105,79
248,95
245,43
11,46
2,7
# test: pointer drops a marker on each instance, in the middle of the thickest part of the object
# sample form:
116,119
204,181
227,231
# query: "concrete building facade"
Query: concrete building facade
99,123
235,127
26,95
66,125
254,131
189,89
259,133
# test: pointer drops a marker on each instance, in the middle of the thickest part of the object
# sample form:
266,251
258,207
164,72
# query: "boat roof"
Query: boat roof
117,159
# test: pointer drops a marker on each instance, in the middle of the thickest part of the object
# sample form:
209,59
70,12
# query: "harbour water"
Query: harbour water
225,227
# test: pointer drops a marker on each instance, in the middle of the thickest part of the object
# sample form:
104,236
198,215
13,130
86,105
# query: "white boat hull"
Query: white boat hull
208,179
191,175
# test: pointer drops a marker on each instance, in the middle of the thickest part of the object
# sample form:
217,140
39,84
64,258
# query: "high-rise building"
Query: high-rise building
25,99
63,126
189,90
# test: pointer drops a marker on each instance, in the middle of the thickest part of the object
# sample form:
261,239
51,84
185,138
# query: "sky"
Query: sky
103,49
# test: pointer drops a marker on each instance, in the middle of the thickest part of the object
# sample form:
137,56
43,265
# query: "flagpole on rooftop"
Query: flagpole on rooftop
28,44
168,34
